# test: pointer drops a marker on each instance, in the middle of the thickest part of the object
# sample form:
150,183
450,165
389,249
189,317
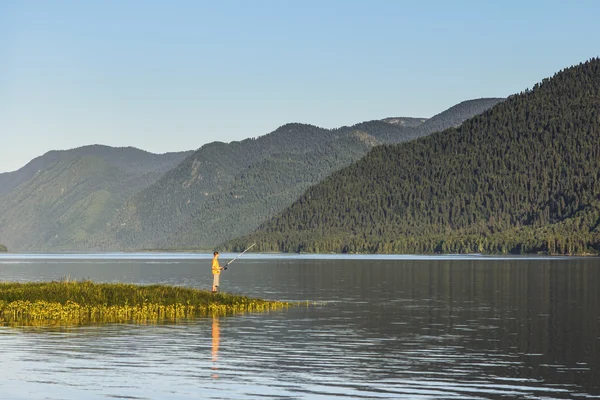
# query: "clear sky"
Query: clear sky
173,75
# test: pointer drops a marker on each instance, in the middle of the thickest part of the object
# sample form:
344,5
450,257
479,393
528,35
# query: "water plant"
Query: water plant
79,302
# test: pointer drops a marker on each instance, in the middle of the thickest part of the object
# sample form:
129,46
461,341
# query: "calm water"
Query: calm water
389,327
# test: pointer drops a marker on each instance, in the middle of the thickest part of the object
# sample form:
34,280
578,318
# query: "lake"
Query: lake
369,327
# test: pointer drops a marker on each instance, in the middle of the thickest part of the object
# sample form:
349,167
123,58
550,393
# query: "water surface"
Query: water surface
375,327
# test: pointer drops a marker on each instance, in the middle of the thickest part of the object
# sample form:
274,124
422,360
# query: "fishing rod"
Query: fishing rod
239,255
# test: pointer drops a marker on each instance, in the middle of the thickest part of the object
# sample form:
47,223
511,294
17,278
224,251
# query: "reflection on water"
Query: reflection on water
415,329
216,338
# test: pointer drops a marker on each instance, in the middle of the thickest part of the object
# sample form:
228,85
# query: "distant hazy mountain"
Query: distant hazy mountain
226,190
59,199
522,177
127,158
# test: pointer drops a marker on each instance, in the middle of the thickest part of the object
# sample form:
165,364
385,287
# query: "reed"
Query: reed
80,302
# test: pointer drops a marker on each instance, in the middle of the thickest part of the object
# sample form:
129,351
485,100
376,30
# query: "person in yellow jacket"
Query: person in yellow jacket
216,270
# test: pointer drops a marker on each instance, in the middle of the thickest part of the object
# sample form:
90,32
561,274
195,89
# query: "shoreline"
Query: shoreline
201,257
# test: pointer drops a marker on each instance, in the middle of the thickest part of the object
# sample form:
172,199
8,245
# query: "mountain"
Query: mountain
126,158
523,177
59,199
227,190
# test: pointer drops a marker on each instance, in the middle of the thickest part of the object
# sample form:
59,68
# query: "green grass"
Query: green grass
78,302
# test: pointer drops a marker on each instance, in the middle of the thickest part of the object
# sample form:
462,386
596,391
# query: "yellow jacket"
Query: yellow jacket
216,268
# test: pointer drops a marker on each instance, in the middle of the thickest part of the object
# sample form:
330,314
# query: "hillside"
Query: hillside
523,177
226,190
75,194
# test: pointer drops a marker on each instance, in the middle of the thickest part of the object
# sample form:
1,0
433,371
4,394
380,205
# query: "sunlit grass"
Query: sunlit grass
80,302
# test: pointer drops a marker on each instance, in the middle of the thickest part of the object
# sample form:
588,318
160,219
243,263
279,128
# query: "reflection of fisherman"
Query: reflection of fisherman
216,270
216,338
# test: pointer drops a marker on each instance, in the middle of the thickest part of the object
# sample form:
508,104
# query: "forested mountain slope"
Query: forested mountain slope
74,193
522,177
227,190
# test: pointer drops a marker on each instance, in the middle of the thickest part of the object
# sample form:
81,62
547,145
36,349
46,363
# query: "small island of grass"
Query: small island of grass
3,248
80,302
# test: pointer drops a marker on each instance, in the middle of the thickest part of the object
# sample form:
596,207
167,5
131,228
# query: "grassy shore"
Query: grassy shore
79,302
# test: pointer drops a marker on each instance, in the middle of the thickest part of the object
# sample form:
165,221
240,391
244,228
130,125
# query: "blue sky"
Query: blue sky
170,76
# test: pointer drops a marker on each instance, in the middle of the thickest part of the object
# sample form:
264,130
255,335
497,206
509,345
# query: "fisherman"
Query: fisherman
216,270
